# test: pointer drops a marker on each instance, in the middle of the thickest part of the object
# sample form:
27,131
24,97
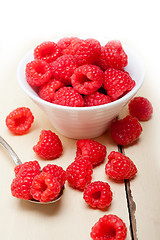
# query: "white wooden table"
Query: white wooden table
23,26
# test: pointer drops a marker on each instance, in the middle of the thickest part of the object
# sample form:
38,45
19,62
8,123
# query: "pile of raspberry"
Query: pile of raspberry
79,73
45,185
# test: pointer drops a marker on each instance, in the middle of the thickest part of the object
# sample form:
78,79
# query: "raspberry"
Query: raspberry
126,130
98,194
67,96
120,167
49,145
109,227
87,79
94,151
79,173
113,56
21,184
47,90
47,51
37,73
20,120
85,51
117,83
95,99
141,108
58,172
65,43
45,187
63,68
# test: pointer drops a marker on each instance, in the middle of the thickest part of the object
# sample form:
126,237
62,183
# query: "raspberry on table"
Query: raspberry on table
109,227
140,108
37,72
67,96
79,173
112,56
95,99
58,172
120,167
19,121
63,68
47,90
87,79
21,184
47,51
85,51
94,151
117,83
49,145
64,43
125,131
45,187
98,194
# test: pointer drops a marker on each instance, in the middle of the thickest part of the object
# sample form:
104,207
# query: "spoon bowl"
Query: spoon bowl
17,161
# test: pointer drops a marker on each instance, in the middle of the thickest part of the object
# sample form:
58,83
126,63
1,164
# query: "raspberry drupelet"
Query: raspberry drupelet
98,194
95,99
109,227
120,167
19,121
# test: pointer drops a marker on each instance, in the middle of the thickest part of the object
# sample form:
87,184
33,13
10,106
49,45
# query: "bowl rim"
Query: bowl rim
49,104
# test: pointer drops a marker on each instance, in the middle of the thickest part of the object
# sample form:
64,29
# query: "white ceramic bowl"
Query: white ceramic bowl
83,122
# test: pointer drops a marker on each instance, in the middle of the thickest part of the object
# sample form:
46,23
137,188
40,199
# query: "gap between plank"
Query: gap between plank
130,203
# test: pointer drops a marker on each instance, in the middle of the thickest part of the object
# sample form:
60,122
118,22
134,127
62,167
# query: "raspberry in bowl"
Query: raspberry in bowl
87,84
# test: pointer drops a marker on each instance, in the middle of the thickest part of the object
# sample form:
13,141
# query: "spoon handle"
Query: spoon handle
10,151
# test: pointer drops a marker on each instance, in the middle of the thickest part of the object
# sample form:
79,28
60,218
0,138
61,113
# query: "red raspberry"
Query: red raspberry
31,167
141,108
58,172
95,99
47,51
45,187
125,131
113,56
38,72
47,90
79,173
21,184
94,151
109,227
20,120
117,83
67,96
98,194
65,43
49,145
87,79
85,51
63,68
120,167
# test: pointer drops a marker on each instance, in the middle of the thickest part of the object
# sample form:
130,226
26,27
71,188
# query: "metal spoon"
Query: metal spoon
17,161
